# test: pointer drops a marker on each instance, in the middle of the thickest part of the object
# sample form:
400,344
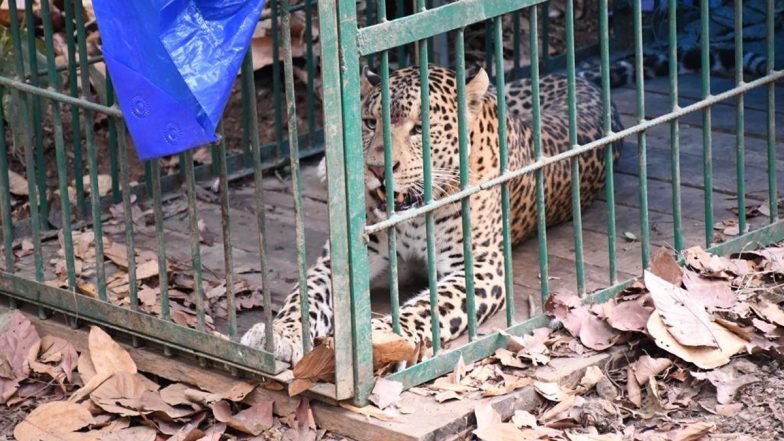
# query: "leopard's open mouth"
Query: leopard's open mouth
403,200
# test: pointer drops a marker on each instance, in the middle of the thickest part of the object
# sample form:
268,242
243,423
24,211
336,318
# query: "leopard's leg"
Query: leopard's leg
287,326
415,320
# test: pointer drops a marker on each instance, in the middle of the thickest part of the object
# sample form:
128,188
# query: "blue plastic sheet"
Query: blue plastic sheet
173,63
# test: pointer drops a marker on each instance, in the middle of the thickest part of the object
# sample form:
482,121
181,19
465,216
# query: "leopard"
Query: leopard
486,217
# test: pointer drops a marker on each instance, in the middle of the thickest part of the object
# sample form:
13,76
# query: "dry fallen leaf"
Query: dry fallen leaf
665,266
137,433
694,431
631,315
108,356
316,365
17,184
769,311
19,343
633,390
646,367
523,418
551,391
713,293
385,393
685,317
54,421
727,381
252,420
703,357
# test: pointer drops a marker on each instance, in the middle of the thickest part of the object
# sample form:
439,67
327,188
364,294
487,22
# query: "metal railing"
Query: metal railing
38,95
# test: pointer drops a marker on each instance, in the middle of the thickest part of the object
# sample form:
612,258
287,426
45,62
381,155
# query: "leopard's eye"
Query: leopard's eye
370,123
416,130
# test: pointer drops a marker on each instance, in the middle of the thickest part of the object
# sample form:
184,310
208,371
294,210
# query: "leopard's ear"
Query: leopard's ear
369,81
476,87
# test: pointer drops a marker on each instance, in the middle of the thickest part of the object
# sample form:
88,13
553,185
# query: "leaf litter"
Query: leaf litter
106,398
696,354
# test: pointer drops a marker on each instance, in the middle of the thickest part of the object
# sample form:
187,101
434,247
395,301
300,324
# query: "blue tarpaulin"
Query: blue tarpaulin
173,63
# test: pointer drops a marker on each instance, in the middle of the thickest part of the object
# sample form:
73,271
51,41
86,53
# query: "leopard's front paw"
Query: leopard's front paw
287,345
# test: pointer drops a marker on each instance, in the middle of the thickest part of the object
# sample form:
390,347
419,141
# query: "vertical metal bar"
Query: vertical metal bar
504,167
575,162
78,165
29,154
707,148
739,123
609,184
37,114
113,146
258,183
193,221
310,96
675,136
355,190
92,154
275,9
427,164
62,173
641,138
389,180
296,178
536,117
228,255
338,187
130,244
5,196
773,198
160,235
462,136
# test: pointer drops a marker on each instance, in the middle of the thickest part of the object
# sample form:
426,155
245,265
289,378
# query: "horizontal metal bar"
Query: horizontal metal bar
429,23
132,322
576,151
476,350
760,237
61,97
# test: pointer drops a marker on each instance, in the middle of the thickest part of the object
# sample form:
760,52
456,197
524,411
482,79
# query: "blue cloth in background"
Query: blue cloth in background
172,64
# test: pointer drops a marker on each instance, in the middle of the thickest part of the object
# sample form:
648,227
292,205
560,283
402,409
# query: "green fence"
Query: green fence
45,105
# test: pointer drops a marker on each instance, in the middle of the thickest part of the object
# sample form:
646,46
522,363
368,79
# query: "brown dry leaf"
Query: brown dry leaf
630,315
523,418
685,317
551,391
122,394
632,387
390,348
368,411
508,358
501,432
17,184
563,406
137,433
385,393
108,356
703,357
317,365
486,416
694,431
593,375
646,367
117,253
726,381
769,311
306,423
713,293
54,421
237,392
460,370
214,433
104,184
252,420
190,431
58,350
510,384
665,266
179,394
446,396
19,344
573,436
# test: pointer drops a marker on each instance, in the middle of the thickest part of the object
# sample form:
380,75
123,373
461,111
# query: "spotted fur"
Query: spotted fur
486,215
